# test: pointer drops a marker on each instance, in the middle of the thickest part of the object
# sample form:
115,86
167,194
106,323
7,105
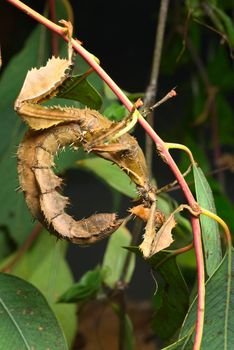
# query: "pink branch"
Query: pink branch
54,38
160,145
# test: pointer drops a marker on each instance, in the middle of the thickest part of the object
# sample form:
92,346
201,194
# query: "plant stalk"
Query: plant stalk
54,38
27,244
152,88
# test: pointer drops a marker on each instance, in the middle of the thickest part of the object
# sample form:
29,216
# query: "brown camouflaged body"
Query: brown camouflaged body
53,128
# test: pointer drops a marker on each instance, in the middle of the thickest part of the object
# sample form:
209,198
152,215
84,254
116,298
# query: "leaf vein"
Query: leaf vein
15,324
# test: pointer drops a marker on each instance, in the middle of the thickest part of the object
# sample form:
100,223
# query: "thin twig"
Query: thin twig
151,91
172,186
222,35
148,110
0,58
174,253
27,244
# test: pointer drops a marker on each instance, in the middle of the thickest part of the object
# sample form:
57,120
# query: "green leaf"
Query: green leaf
209,227
87,288
174,299
223,78
181,344
165,204
14,214
194,7
219,309
227,22
111,174
6,244
66,159
27,322
82,66
171,300
77,88
212,2
115,258
44,265
129,343
225,208
115,112
225,121
187,260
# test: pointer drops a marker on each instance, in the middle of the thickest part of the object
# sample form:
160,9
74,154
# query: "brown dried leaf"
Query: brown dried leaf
154,242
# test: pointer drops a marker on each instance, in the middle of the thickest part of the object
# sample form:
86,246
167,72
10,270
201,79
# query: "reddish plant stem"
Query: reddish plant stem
27,244
54,38
183,249
174,253
0,58
163,151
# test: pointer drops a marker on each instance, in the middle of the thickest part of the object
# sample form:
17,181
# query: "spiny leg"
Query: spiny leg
173,184
104,142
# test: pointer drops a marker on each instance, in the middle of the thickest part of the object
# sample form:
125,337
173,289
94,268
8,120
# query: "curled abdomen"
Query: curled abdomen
41,186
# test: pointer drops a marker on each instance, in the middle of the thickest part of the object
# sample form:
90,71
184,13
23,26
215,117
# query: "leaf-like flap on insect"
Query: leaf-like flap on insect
42,83
155,242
